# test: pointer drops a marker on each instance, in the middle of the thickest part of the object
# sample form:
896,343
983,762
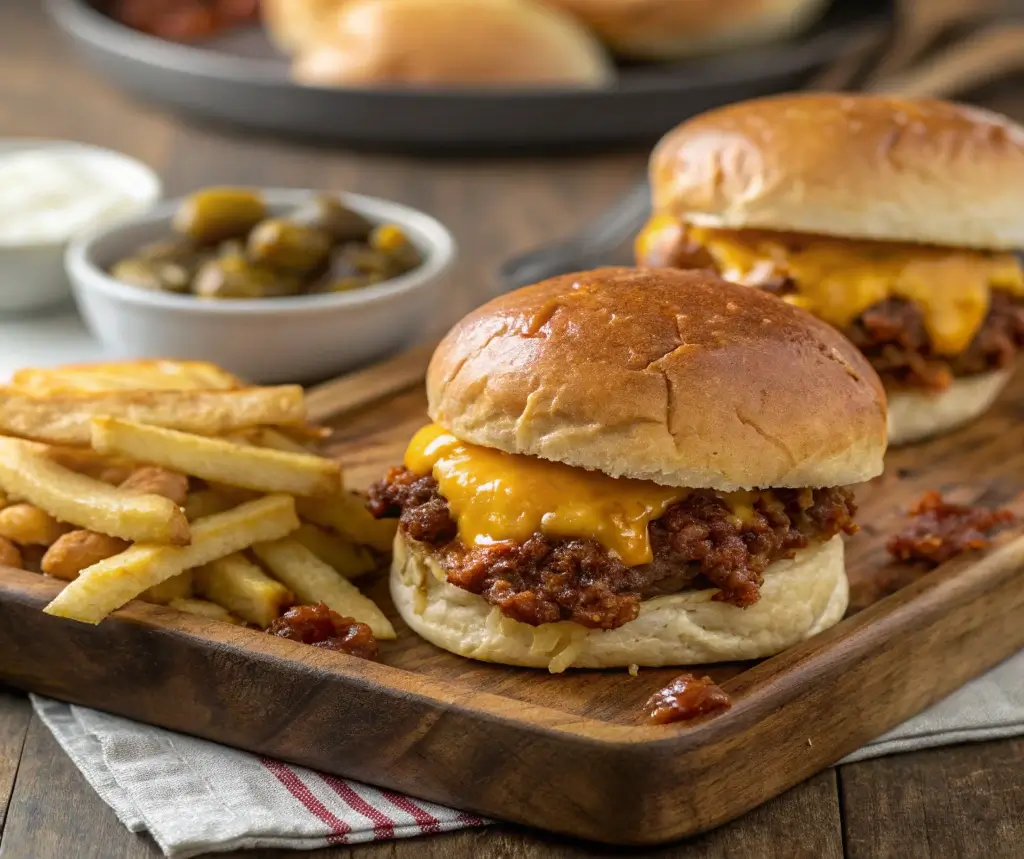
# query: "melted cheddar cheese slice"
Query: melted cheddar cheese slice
838,279
496,497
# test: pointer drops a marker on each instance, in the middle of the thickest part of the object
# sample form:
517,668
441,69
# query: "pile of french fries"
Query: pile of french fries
173,482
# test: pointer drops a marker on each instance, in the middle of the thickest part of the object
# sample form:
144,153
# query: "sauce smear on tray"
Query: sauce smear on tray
686,697
320,626
939,531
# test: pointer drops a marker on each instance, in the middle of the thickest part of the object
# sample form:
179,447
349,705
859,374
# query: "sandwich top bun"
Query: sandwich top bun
478,42
673,376
855,166
672,29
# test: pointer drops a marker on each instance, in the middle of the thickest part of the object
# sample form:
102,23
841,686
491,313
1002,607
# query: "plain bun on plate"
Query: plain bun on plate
857,167
447,42
693,381
799,598
293,24
673,29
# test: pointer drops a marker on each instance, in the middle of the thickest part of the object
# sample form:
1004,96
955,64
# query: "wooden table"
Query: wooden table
963,801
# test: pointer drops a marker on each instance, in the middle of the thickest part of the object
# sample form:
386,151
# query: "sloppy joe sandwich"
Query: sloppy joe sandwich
631,466
891,219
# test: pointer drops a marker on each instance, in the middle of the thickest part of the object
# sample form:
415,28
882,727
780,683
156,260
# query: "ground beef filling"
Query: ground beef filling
698,543
892,337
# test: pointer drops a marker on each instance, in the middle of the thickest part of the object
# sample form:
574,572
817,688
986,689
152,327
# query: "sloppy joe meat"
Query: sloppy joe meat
892,337
938,531
698,543
321,626
686,697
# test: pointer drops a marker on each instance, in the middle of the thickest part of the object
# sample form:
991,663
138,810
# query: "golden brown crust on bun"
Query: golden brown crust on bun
856,166
446,42
674,376
670,29
799,598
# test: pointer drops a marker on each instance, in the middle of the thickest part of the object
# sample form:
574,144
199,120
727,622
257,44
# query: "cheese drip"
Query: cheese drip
838,279
496,497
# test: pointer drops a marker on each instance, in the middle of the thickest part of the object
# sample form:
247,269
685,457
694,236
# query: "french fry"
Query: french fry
9,554
108,585
73,552
348,559
312,581
27,472
204,608
304,432
347,514
272,438
156,375
242,437
109,469
64,418
206,502
4,500
178,587
244,589
218,460
28,525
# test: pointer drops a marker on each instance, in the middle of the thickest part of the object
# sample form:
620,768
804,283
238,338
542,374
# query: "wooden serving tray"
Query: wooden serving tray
568,753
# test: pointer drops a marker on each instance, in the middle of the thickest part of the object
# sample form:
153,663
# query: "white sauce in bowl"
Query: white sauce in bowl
51,194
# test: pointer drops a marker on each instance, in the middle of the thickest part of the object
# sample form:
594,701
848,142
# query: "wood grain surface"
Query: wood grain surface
957,802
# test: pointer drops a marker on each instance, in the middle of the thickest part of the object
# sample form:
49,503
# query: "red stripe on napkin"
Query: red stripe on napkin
427,822
383,826
297,788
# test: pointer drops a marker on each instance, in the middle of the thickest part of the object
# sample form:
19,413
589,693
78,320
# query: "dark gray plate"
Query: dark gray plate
239,79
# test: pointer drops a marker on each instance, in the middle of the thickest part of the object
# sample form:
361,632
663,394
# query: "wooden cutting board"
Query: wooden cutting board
568,753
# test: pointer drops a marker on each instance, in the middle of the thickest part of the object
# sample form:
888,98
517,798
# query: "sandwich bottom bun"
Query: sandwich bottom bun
799,598
916,415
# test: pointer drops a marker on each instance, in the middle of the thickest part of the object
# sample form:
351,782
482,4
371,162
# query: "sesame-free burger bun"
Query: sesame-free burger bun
293,24
799,598
450,42
853,166
674,376
917,415
672,29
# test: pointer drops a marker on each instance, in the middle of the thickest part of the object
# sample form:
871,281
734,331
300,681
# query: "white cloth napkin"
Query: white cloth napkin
195,797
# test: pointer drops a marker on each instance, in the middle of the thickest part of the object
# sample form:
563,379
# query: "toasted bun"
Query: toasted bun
293,24
670,29
470,42
917,415
799,598
855,166
674,376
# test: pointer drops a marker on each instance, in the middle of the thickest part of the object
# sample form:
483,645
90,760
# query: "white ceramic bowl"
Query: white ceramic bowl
32,274
294,339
